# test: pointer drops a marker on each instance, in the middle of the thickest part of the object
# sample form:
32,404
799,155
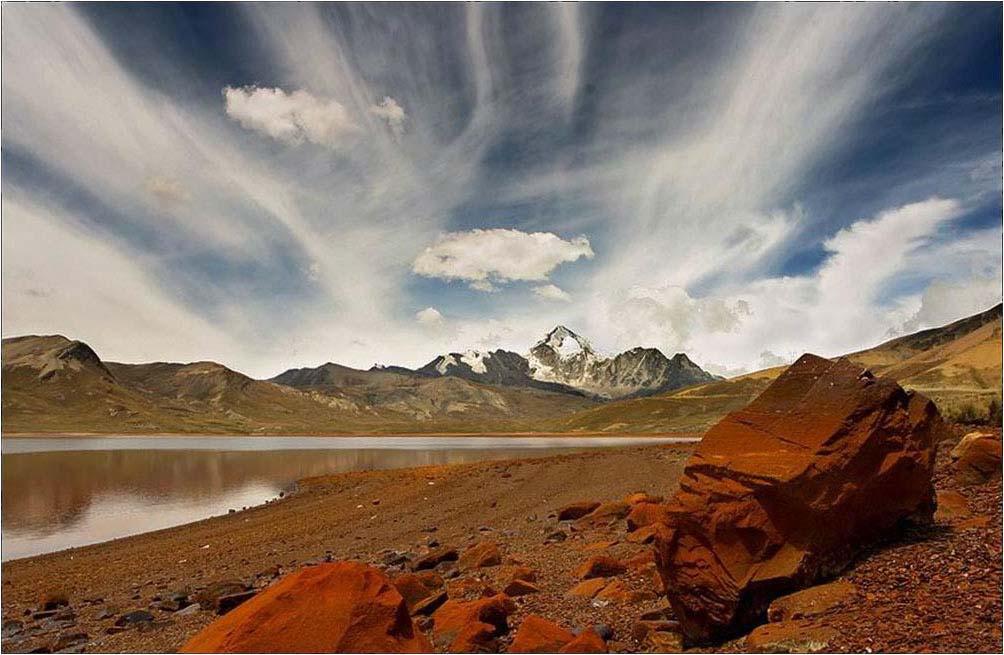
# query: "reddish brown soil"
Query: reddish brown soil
933,589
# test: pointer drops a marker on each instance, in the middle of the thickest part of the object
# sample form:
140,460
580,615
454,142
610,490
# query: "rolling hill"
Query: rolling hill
54,385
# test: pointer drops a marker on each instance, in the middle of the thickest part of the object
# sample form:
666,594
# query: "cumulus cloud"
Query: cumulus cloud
552,292
392,113
290,117
498,256
429,316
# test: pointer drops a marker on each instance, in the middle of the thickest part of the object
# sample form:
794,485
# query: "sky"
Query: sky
281,185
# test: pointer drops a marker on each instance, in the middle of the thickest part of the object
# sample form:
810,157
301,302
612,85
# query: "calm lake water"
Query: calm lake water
64,492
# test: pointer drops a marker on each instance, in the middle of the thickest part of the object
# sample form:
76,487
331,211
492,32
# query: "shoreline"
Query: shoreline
683,434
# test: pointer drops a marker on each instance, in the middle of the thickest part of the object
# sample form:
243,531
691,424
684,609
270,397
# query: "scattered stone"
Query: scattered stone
339,607
52,600
538,635
135,617
642,497
588,588
67,641
606,512
524,573
470,626
435,558
11,628
416,587
230,601
521,588
599,566
209,598
587,641
556,536
977,458
576,510
396,558
188,610
952,506
789,489
430,603
480,556
645,514
810,602
664,642
790,637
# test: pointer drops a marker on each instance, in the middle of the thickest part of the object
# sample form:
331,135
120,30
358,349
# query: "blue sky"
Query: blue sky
287,184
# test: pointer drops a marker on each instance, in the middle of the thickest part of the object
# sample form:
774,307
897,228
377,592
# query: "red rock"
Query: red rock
810,602
524,573
416,587
538,635
469,626
435,558
588,588
576,510
952,506
642,497
520,588
786,491
644,535
606,512
600,566
345,607
480,556
645,514
790,637
640,561
588,641
977,458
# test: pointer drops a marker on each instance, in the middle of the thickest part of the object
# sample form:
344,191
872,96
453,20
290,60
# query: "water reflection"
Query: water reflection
55,498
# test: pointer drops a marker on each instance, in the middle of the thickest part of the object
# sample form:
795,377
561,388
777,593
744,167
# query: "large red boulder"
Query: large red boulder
343,607
786,491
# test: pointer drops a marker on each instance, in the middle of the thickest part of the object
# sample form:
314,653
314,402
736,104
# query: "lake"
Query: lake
71,491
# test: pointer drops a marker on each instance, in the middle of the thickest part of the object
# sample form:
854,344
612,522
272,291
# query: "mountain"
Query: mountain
566,358
499,367
565,362
957,365
52,384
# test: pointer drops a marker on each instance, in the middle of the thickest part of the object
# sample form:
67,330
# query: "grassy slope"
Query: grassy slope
954,365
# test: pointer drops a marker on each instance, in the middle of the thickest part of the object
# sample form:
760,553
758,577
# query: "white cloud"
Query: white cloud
392,113
944,302
498,256
429,316
294,117
552,292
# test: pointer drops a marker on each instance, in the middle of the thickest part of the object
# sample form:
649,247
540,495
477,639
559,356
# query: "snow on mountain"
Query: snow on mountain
565,361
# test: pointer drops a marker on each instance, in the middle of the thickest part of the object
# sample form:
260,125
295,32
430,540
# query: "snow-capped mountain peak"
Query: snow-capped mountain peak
564,342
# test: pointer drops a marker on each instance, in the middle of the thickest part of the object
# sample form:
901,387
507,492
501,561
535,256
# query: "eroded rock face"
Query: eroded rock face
343,607
785,492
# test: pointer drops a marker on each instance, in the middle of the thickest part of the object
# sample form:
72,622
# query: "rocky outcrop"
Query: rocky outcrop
344,607
786,491
977,458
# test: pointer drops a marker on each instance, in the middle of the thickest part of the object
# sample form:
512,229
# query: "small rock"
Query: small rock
230,601
482,555
576,510
599,566
435,558
521,588
135,617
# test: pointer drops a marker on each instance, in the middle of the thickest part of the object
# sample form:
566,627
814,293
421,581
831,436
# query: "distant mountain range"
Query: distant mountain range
51,384
565,362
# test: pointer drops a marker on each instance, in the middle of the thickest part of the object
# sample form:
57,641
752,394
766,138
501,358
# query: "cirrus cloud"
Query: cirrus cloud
485,257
